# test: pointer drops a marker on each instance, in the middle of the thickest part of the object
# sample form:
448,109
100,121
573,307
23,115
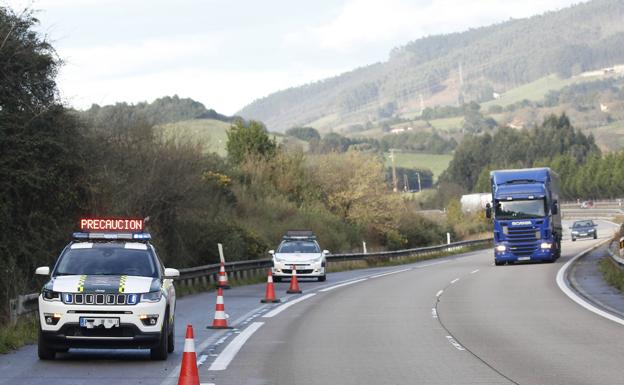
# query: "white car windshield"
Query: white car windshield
298,247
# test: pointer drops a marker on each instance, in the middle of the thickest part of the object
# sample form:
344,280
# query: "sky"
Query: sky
225,54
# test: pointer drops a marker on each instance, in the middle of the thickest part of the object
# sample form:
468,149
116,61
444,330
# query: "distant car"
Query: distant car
299,249
584,229
587,205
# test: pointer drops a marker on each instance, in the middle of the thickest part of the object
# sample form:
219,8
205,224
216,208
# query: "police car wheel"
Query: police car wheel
595,235
44,351
171,339
322,278
159,353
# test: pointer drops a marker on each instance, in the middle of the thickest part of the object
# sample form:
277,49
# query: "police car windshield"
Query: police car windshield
107,259
298,247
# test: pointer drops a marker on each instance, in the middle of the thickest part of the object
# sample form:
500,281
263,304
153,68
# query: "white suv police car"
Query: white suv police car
108,289
299,249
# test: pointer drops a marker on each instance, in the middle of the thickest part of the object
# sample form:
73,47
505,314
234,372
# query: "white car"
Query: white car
299,249
107,290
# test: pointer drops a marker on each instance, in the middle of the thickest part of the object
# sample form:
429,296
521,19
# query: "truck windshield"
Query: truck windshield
107,260
524,209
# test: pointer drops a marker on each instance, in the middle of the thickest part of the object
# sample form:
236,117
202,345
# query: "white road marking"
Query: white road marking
285,306
390,273
454,281
575,297
228,354
474,271
434,312
439,293
202,359
455,343
343,284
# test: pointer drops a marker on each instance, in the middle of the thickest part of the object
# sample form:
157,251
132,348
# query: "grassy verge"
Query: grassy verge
20,334
612,273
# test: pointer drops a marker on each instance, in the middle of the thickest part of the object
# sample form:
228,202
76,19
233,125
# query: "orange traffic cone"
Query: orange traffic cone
294,284
269,294
222,281
220,319
188,370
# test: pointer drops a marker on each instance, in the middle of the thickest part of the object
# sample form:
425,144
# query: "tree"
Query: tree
249,138
308,134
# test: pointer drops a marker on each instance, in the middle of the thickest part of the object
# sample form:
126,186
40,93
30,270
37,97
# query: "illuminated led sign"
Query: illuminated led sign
104,224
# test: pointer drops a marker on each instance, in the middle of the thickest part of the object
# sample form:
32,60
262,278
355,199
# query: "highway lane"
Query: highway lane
381,329
492,325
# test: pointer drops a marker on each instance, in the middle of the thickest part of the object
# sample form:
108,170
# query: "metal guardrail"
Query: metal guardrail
207,274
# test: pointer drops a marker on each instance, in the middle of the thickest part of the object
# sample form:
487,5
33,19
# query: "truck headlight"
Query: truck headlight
152,296
546,245
501,248
50,295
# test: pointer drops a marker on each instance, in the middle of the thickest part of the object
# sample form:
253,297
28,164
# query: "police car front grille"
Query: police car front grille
95,299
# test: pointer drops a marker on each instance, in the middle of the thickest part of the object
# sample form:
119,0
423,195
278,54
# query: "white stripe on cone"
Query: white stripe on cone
219,300
220,314
189,345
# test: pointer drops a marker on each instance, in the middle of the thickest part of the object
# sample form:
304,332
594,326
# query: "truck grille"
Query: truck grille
523,240
99,299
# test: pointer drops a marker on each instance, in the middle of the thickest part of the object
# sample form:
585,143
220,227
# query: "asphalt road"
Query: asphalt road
457,320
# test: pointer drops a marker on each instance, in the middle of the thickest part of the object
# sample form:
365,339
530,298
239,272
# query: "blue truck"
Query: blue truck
526,217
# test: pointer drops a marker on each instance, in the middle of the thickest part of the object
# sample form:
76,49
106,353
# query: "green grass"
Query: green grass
22,333
612,273
535,90
437,163
448,124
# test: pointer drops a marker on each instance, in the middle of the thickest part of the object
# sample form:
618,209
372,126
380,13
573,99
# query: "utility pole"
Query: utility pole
422,104
460,96
394,176
405,183
419,189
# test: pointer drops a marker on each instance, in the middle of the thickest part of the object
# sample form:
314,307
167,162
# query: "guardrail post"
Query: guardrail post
622,247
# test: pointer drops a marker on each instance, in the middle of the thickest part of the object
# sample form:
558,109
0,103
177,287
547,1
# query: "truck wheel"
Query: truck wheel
498,263
44,351
171,339
159,353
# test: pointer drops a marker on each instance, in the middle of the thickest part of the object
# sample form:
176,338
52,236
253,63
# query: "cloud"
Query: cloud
363,22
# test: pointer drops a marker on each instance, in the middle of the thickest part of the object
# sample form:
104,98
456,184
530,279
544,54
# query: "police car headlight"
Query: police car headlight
152,296
50,295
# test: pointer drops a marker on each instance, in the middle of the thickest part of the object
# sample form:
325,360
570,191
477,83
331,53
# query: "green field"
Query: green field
536,90
437,163
448,124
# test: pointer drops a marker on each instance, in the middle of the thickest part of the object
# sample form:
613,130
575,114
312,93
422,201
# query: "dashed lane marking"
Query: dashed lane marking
455,343
474,271
434,312
228,354
390,273
454,281
343,284
285,306
439,293
202,359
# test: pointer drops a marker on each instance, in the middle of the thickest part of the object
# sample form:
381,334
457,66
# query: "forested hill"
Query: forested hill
168,109
495,58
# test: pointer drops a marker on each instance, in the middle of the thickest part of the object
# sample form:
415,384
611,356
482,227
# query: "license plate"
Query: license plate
583,234
95,322
524,258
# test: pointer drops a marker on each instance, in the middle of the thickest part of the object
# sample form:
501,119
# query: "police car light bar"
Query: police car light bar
112,225
113,236
299,234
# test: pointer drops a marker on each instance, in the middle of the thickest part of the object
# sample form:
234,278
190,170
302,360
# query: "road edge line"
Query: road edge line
229,353
563,286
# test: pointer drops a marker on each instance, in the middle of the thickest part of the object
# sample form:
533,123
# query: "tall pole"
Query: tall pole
418,181
394,176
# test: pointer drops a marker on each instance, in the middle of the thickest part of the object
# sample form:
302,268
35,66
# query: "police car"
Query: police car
108,289
299,249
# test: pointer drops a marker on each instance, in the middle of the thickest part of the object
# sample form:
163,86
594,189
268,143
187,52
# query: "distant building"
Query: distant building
397,130
604,107
496,95
516,123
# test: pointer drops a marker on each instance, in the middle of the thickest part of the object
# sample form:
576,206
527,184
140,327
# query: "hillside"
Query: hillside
491,59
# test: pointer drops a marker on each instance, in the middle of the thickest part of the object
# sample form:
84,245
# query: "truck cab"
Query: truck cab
526,217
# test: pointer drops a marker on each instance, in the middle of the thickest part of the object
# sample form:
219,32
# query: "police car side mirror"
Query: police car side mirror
325,251
272,252
43,270
171,273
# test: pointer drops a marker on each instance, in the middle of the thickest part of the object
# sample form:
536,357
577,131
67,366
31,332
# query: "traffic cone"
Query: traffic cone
220,319
188,370
222,281
269,294
294,284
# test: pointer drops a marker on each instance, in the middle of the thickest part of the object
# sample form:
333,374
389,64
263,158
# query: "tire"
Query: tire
171,339
498,263
573,239
595,235
44,351
322,278
159,353
277,279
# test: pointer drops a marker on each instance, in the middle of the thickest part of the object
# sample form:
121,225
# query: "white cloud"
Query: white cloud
363,22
